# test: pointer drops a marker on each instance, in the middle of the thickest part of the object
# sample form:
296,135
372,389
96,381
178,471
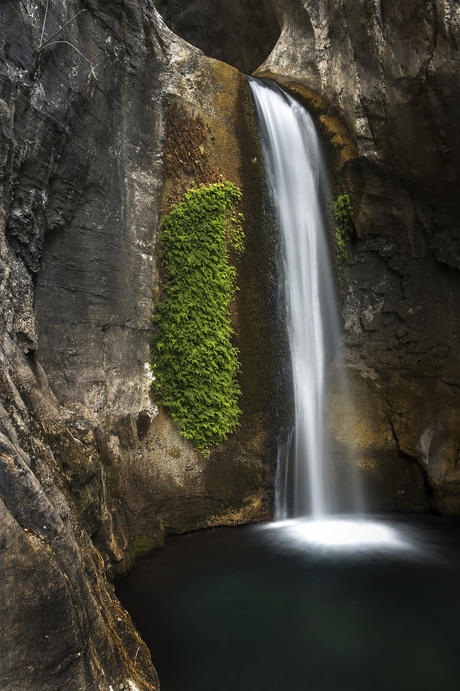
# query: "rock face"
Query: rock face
92,474
241,33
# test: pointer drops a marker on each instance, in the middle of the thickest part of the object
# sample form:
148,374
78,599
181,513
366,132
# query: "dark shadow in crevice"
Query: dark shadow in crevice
241,33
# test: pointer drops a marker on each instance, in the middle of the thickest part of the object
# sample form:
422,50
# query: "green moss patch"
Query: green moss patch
193,360
343,212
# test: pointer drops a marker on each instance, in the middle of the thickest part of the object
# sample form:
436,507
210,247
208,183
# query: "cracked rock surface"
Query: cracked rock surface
92,474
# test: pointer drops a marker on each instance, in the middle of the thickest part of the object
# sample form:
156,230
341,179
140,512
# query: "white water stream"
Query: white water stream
294,167
307,488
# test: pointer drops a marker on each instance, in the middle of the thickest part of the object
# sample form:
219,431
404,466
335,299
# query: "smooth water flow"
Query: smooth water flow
294,167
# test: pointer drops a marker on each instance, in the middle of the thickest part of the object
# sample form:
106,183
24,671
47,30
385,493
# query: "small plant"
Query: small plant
343,212
193,362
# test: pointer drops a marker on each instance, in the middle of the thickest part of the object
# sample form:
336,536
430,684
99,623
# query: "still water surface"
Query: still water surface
262,608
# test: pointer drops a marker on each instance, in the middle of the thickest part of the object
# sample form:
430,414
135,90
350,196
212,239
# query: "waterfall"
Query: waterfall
294,166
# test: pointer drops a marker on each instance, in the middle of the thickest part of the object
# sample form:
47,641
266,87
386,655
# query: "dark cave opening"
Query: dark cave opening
241,33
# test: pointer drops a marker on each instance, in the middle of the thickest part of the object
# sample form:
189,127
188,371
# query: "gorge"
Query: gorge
99,136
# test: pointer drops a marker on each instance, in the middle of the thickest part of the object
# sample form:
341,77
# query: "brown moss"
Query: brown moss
186,159
212,142
330,123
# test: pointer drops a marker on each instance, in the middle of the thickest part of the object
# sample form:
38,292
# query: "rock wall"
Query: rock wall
92,474
241,33
382,81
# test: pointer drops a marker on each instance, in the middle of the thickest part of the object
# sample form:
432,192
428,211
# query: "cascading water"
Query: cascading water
294,168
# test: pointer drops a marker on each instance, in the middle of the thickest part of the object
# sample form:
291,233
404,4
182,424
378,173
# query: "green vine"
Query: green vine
343,212
193,361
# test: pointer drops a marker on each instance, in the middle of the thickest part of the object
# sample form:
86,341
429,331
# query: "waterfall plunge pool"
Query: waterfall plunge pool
277,607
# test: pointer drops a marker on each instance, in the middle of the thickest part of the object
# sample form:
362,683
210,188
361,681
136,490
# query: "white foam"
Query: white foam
338,533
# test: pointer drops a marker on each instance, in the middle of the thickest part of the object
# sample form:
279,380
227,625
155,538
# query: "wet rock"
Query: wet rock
93,475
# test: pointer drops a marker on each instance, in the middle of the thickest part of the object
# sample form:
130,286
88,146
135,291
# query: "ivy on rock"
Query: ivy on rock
193,361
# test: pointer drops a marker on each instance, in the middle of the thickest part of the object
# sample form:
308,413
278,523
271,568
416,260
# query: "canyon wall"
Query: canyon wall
381,80
92,474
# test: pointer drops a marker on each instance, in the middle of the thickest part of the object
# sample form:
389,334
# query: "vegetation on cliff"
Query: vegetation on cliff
193,360
343,212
